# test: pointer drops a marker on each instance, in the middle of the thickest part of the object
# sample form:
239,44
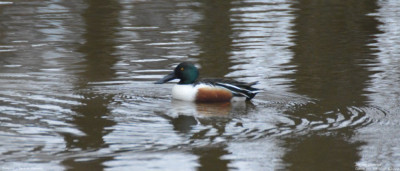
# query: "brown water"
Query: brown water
77,88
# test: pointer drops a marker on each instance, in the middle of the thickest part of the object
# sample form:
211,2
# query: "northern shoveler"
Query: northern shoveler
190,88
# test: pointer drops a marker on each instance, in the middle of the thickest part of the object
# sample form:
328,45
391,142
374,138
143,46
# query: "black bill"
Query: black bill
167,78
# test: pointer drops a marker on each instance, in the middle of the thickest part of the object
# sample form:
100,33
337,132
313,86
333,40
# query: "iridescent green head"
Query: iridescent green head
185,71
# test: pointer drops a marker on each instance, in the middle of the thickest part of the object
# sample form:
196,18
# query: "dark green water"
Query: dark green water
77,92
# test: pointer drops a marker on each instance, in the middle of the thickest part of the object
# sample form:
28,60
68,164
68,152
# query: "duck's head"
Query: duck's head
185,71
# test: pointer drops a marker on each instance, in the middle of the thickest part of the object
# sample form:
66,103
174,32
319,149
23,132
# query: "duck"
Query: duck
208,90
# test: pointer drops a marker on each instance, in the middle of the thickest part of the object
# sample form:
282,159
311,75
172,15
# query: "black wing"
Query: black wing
238,88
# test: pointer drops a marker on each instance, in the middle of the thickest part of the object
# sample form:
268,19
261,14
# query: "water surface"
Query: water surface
77,88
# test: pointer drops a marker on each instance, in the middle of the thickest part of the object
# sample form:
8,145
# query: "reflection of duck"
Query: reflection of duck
184,115
206,90
187,114
201,109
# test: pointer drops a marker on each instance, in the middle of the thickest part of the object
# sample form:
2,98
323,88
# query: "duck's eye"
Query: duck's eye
182,69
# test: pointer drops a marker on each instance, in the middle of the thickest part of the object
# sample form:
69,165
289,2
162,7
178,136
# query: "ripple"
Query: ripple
6,3
274,124
140,28
151,70
8,50
169,43
148,60
73,88
12,66
175,32
347,118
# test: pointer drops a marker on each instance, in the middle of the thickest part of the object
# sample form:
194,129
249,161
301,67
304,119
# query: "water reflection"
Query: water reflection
261,36
204,109
91,116
215,44
214,117
332,153
334,70
90,164
382,136
211,158
215,38
100,42
76,86
185,115
155,35
90,119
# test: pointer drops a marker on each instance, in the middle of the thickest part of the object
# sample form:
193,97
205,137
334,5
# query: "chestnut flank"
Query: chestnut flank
213,95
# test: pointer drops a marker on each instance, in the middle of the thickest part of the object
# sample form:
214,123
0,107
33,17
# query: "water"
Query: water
77,88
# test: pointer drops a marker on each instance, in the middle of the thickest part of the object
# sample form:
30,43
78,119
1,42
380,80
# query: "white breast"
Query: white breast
186,92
